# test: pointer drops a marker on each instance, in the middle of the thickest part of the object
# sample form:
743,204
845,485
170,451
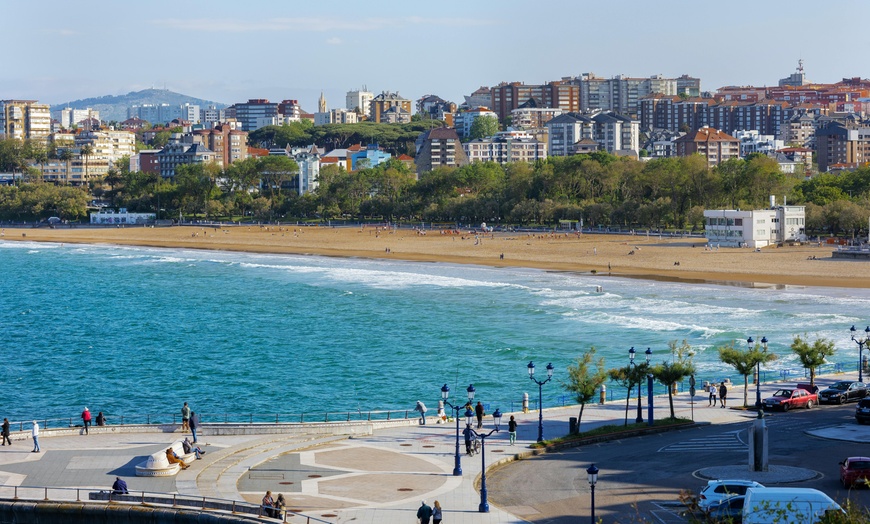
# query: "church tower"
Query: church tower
321,104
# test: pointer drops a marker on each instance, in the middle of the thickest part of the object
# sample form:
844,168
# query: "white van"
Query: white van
792,505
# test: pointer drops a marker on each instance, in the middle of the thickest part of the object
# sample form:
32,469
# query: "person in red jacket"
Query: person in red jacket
86,418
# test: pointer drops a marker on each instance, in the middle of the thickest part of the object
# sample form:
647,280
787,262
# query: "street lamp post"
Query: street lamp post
861,343
592,472
631,354
496,417
445,392
540,384
751,344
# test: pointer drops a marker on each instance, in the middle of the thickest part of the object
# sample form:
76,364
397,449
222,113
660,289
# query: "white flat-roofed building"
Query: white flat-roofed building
110,216
755,228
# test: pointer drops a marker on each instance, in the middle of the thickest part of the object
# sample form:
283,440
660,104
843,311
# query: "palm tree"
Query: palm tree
86,151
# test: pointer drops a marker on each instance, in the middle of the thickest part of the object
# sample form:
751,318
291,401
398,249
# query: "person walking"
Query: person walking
723,392
422,409
86,419
713,390
436,513
5,432
468,433
424,513
193,423
185,417
479,413
34,433
512,430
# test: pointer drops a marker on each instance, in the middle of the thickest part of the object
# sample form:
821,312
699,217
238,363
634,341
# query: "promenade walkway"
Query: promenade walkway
376,478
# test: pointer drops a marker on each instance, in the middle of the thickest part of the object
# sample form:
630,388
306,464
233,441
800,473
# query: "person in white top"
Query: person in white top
35,434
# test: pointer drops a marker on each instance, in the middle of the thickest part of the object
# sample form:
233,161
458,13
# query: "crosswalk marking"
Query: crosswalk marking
723,442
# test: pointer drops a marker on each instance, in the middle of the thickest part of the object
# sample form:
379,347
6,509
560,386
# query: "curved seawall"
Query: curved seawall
30,512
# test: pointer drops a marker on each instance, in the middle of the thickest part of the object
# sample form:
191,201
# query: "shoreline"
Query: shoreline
628,256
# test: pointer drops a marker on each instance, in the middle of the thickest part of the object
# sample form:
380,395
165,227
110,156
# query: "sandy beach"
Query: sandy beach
636,256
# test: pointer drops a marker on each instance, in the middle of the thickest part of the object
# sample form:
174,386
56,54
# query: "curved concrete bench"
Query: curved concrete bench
178,448
157,465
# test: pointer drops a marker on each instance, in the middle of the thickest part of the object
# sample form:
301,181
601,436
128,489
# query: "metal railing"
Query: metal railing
158,419
204,504
614,392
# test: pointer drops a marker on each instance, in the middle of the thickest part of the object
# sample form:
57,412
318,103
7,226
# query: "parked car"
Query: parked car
842,392
729,510
786,399
717,491
862,412
855,470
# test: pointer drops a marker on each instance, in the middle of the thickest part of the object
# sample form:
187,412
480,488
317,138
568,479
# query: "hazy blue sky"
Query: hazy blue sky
231,50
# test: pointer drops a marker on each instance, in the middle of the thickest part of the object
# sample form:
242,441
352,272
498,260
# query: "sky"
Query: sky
231,51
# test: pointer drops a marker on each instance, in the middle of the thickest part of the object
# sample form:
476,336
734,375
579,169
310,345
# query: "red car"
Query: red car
786,399
855,470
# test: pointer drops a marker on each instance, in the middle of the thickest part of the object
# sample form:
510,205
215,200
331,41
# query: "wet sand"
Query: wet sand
637,256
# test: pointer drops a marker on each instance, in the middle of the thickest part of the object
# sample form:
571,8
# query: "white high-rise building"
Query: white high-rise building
359,101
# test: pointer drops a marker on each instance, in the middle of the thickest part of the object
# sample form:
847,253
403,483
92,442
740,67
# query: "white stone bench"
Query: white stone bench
157,465
178,448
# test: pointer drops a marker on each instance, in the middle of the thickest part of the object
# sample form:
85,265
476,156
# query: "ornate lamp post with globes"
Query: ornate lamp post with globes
861,343
540,384
751,344
631,355
496,417
445,392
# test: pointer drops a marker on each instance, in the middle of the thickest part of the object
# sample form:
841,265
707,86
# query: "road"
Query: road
644,476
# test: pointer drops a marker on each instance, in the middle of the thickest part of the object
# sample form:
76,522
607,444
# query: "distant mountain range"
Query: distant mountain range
115,107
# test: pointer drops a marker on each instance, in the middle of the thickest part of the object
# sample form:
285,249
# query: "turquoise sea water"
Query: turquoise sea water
139,330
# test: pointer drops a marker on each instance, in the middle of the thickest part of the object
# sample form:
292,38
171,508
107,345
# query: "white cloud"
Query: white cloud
313,24
334,41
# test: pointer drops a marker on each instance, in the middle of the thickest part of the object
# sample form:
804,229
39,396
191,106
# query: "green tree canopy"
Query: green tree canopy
812,356
744,362
483,126
585,378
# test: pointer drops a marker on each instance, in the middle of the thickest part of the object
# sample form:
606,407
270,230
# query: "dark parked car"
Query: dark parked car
842,392
862,412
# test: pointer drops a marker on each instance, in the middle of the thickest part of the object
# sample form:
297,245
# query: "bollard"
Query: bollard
603,397
525,402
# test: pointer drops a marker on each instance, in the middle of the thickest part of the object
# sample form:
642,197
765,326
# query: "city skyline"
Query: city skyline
280,50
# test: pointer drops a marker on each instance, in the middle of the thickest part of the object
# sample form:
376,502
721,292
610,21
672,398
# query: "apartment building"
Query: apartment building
229,145
566,130
176,154
508,96
571,133
678,114
359,101
714,145
533,117
506,147
463,120
336,116
254,113
69,117
439,147
24,120
845,143
211,116
622,94
386,101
